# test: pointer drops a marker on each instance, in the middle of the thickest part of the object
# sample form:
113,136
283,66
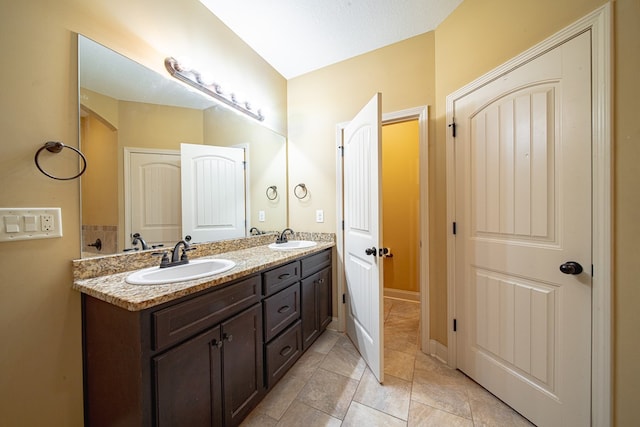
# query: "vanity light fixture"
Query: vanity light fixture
196,80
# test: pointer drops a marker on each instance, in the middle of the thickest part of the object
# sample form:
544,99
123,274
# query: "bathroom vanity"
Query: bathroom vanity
202,353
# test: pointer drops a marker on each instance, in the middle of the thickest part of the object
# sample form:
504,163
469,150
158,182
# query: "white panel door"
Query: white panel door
523,209
153,197
213,192
362,234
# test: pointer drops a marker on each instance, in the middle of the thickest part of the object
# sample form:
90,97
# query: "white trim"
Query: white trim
420,114
401,294
247,185
439,351
599,23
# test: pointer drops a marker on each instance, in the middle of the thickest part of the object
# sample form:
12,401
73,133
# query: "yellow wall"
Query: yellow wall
40,356
401,205
100,181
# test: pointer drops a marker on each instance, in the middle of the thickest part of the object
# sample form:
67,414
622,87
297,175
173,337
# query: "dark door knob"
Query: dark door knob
371,251
571,267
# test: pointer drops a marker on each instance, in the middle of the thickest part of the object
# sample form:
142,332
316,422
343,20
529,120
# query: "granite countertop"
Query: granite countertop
112,288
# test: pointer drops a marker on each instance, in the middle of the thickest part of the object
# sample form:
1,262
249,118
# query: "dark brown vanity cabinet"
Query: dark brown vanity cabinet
206,359
189,377
316,296
196,361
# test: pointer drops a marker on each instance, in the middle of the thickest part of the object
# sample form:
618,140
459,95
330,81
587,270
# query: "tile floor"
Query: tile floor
332,386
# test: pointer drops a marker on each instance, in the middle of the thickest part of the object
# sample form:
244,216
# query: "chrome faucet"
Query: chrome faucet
137,238
282,238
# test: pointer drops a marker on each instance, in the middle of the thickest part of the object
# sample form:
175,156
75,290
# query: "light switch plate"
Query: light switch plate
30,223
319,215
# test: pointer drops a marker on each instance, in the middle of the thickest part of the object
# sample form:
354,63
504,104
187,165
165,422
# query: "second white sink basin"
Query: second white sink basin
292,244
196,269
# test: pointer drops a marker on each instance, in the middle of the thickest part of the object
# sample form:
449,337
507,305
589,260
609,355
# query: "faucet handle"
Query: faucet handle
165,261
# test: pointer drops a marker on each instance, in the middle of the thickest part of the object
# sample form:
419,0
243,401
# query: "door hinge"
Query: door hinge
455,227
455,325
244,164
341,148
343,224
452,125
344,298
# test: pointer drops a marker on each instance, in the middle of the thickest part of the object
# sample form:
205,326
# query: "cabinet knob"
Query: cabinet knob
227,337
216,343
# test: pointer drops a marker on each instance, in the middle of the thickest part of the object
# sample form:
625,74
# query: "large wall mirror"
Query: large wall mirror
132,117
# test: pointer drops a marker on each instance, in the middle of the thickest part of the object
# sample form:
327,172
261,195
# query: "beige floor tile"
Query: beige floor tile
345,360
392,398
406,343
398,364
449,398
426,416
300,414
488,410
308,363
325,342
329,392
361,415
430,370
279,398
403,325
257,419
404,308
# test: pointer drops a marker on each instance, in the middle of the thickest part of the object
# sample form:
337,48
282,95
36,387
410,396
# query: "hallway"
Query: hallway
331,386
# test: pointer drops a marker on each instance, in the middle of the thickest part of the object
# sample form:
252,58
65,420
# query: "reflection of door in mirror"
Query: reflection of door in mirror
213,192
152,196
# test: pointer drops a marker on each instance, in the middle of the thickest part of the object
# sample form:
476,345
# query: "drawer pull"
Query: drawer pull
285,351
283,309
284,276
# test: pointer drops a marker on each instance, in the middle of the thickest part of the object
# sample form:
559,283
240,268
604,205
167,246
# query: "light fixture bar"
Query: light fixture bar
194,79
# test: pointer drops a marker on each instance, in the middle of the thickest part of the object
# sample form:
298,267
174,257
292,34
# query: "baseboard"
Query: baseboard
439,351
400,294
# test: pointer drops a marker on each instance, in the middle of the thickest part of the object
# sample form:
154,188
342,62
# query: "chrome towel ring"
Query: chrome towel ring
272,192
302,192
55,147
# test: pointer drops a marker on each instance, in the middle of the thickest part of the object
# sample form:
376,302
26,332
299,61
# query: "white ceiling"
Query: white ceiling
299,36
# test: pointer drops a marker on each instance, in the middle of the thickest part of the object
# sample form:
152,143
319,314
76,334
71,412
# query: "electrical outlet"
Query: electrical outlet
261,216
30,223
46,222
319,215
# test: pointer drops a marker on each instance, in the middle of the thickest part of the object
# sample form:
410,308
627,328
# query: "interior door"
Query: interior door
153,197
213,192
523,214
362,233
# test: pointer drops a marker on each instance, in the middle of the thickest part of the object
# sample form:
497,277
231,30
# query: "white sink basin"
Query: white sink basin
196,269
292,244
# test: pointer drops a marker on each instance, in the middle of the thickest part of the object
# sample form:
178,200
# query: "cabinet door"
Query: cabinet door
309,315
188,386
242,364
323,289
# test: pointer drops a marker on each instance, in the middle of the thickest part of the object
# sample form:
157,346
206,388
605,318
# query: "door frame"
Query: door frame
422,115
599,23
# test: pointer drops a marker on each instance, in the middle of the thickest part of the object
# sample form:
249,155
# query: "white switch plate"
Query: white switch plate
261,216
32,223
319,215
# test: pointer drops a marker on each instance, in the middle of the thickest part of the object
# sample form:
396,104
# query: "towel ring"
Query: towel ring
303,188
272,192
56,147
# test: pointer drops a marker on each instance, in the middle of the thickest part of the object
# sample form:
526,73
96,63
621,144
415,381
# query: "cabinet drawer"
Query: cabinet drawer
281,277
282,353
316,262
280,310
175,323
